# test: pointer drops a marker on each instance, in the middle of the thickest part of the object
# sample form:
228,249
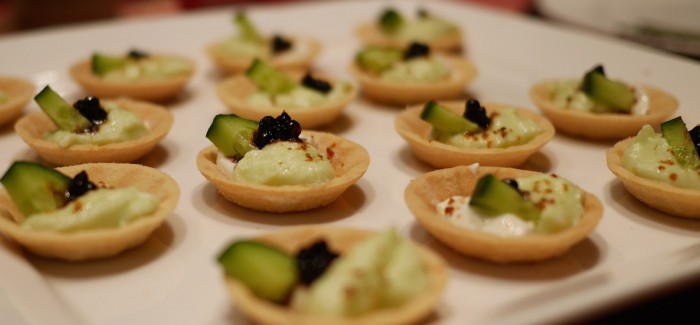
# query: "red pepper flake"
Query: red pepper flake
673,177
449,211
662,168
308,157
77,206
330,153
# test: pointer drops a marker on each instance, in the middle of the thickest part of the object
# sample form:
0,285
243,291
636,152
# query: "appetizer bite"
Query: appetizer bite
398,76
502,214
85,211
449,134
273,166
15,93
91,130
265,90
394,29
601,108
137,75
235,54
661,170
314,275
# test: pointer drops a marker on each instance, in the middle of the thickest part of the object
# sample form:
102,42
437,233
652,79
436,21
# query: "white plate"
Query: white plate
174,279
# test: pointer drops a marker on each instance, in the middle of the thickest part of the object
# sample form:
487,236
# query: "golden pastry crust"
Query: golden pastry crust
349,160
19,92
398,93
372,35
602,126
295,59
32,127
340,240
148,90
235,90
682,202
423,193
440,155
96,243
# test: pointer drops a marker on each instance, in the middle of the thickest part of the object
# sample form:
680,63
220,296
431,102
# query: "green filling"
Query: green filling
507,129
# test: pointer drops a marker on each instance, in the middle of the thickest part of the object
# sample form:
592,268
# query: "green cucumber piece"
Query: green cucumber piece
390,21
246,29
678,137
377,59
614,94
102,64
64,115
267,271
232,134
447,121
495,197
269,79
35,188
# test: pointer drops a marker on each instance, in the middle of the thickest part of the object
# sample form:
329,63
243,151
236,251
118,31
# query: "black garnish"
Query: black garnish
514,184
476,113
137,54
695,135
316,84
422,13
78,186
271,129
416,50
313,261
598,68
92,110
280,44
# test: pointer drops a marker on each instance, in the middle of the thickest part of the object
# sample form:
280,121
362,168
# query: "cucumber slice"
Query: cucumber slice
102,64
390,21
35,188
232,134
246,29
678,137
269,79
378,59
614,94
60,112
267,271
495,197
447,121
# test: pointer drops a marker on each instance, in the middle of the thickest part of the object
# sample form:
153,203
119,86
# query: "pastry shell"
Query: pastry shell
349,160
148,90
295,59
235,90
399,93
32,127
340,240
96,243
677,201
423,193
603,126
19,92
372,35
440,155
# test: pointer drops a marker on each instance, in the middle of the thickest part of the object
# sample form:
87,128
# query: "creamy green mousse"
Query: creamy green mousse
425,29
299,97
150,68
560,201
120,125
507,129
284,163
382,271
244,47
567,94
417,70
650,156
103,208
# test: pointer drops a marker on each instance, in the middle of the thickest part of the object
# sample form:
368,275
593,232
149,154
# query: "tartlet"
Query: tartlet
148,89
398,93
340,240
96,243
19,91
234,91
682,202
440,155
602,126
32,127
423,193
300,57
349,160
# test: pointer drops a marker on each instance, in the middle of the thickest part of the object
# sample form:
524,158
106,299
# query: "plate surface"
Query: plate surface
173,277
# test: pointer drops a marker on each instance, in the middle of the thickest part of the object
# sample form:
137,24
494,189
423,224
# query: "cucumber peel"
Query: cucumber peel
246,29
232,135
64,115
377,59
269,79
682,146
616,95
446,121
495,197
35,188
102,64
